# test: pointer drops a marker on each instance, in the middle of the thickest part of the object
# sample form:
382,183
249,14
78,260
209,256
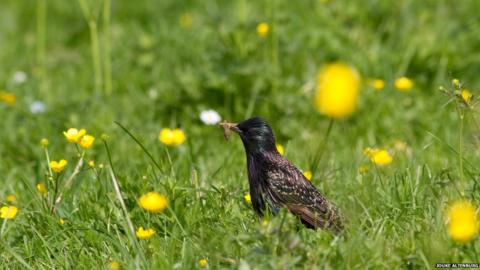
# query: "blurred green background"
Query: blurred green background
169,61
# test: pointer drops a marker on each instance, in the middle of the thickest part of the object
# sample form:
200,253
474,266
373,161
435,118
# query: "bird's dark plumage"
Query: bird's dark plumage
275,182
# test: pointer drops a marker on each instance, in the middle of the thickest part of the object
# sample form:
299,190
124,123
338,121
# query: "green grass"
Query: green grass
163,75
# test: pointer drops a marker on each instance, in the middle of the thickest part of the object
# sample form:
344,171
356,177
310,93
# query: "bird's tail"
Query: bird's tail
323,216
336,221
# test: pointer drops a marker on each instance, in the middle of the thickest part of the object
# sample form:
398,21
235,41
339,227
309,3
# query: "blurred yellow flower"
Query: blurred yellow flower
265,222
363,169
44,142
178,136
382,157
308,175
462,221
280,149
114,265
263,29
61,221
172,137
91,164
378,156
58,166
8,212
7,97
145,233
248,198
338,87
456,83
153,202
41,188
186,20
403,84
86,141
203,262
466,95
11,198
166,136
377,84
74,135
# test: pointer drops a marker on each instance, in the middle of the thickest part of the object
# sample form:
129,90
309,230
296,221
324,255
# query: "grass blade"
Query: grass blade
141,146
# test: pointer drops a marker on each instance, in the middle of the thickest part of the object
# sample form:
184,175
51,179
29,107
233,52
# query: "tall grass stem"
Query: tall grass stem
107,64
460,153
97,68
41,17
321,148
130,227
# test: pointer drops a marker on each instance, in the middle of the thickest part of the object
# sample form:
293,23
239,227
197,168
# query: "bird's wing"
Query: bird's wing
289,187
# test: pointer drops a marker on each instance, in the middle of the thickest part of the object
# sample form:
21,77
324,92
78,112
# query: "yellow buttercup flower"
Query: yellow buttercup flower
403,84
91,164
153,202
11,198
114,265
58,166
172,137
248,198
462,221
7,97
378,156
61,221
86,141
338,88
41,188
466,95
74,135
178,136
144,233
166,136
44,142
377,84
382,157
308,175
280,149
203,262
263,29
8,212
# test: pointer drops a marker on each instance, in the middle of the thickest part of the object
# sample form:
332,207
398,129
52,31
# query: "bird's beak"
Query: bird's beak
227,127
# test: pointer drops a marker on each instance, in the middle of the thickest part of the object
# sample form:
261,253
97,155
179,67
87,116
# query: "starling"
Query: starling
275,182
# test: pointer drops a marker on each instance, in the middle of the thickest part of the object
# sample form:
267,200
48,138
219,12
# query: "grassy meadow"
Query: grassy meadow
150,65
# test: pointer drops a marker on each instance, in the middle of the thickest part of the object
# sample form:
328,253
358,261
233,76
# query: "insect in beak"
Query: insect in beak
227,127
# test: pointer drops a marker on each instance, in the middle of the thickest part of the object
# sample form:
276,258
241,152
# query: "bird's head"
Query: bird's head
256,134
